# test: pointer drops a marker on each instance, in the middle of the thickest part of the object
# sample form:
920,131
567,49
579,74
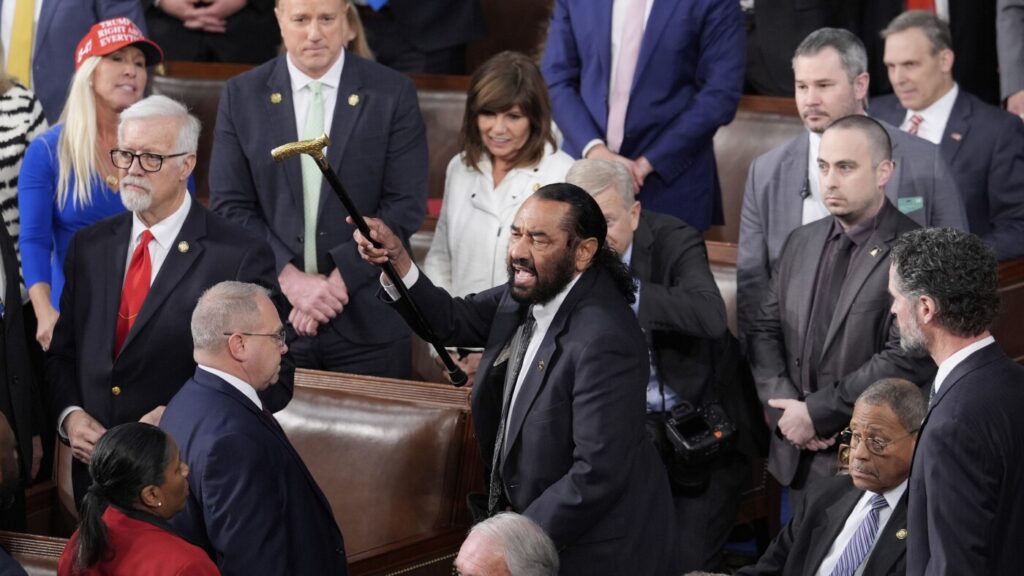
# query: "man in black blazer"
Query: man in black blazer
683,317
966,502
378,150
95,384
563,438
242,32
824,332
983,145
413,36
880,441
252,503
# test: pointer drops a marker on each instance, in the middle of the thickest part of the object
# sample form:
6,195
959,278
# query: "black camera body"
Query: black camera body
698,435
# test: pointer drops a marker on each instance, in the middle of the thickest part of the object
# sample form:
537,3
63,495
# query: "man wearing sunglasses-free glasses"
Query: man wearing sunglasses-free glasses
857,523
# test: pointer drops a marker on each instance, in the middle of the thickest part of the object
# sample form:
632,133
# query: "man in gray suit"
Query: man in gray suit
782,193
1010,44
824,332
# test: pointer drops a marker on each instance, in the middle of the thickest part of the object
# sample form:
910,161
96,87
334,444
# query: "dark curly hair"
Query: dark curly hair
954,268
583,220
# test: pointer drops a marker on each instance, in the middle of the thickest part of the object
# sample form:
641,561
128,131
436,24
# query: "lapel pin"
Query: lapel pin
956,136
353,100
183,247
275,98
536,186
540,365
874,251
901,534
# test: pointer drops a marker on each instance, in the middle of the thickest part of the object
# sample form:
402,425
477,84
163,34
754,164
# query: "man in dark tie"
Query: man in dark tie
983,145
857,521
824,332
966,502
121,347
252,504
563,437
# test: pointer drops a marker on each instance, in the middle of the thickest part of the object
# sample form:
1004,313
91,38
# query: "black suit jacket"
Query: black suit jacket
803,544
966,502
860,347
156,358
252,35
984,147
21,402
252,504
438,24
378,150
578,460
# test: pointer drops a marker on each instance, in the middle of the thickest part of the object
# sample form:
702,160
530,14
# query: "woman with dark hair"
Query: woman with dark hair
508,152
138,482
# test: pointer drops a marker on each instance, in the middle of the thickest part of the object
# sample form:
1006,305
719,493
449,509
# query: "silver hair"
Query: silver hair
850,49
528,550
934,29
159,106
903,397
225,307
596,176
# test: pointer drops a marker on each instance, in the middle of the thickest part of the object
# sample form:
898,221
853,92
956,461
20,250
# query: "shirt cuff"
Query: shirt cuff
409,279
60,420
590,145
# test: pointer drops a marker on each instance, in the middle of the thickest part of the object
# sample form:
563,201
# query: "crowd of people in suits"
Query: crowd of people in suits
567,276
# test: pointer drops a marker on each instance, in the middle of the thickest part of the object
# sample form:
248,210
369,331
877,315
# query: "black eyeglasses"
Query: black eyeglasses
876,446
280,335
150,162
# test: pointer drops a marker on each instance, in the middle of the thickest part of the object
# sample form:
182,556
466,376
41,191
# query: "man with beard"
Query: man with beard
782,191
966,503
122,346
563,439
860,519
824,332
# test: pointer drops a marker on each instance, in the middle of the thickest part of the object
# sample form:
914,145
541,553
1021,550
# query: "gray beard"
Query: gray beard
134,200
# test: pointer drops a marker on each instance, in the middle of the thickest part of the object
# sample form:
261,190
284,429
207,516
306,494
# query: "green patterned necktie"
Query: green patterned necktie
311,177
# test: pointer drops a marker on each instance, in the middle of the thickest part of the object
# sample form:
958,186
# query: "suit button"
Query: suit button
116,390
302,240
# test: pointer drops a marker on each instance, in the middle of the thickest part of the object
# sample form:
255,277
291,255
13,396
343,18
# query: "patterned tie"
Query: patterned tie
915,124
520,342
311,178
19,51
629,51
136,286
858,548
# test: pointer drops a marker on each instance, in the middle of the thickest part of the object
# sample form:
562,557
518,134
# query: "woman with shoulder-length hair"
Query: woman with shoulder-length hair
67,180
138,482
508,152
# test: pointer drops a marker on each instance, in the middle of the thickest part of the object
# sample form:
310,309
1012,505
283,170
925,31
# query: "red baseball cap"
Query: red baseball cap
111,35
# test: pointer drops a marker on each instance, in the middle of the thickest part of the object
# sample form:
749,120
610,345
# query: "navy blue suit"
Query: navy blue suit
578,460
252,504
966,504
688,80
984,148
62,23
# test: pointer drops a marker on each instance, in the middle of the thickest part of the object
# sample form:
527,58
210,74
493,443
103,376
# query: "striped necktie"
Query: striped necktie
915,124
858,548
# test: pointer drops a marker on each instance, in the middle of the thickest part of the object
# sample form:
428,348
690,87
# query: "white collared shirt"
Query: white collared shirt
237,383
957,357
302,96
853,522
814,205
935,117
165,232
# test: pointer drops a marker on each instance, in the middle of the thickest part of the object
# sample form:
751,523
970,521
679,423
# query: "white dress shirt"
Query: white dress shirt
957,357
935,117
237,383
302,95
814,205
853,522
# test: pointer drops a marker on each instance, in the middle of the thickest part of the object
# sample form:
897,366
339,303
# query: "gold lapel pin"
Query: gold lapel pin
901,534
353,100
956,136
540,365
183,247
874,251
275,98
536,186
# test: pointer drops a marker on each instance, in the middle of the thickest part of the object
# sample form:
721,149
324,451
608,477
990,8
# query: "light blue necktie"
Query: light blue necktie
860,545
376,4
312,178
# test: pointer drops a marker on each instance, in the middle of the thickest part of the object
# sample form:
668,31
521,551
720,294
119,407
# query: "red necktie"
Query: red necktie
921,5
915,124
136,286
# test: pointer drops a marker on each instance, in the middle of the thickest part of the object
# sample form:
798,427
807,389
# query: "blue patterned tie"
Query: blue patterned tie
860,545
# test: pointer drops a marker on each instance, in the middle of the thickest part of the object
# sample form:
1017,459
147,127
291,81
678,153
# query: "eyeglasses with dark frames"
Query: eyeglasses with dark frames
876,446
280,335
147,160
